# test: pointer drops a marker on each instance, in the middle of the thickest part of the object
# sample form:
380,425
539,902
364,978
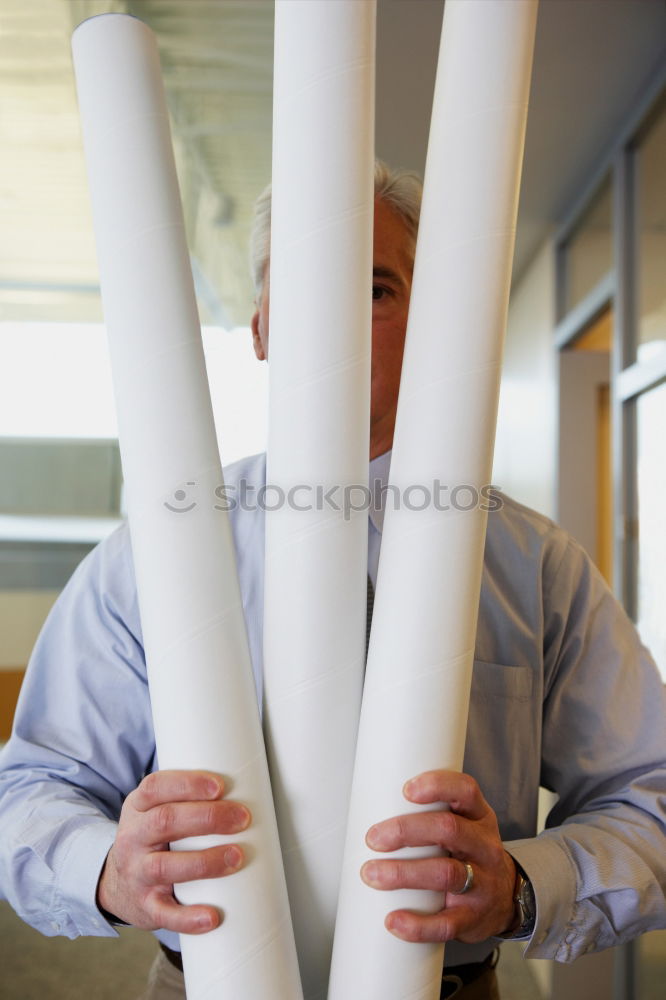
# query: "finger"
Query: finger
166,912
410,926
459,791
453,833
176,786
169,867
176,820
437,874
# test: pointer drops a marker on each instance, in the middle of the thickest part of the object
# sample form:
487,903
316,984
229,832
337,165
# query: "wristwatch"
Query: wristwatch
525,907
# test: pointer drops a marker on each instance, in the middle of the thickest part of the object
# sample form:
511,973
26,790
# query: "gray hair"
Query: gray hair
401,189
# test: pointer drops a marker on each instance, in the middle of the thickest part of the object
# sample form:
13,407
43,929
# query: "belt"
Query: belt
172,956
456,977
453,980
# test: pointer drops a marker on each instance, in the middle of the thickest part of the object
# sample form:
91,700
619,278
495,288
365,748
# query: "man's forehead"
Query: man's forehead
393,241
392,246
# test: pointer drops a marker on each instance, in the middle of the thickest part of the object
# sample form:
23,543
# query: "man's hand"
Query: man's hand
468,831
136,884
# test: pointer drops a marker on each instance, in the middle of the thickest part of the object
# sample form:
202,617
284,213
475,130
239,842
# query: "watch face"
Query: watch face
528,897
527,903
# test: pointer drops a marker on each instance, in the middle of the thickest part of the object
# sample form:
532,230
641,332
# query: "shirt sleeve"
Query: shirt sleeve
82,740
598,869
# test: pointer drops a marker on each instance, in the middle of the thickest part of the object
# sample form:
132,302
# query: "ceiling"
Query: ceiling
217,66
593,60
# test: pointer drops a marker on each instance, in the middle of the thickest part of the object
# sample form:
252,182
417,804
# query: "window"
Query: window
650,238
651,488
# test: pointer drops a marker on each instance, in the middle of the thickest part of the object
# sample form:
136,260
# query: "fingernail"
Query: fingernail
370,873
395,924
375,838
232,857
240,818
408,788
204,921
213,788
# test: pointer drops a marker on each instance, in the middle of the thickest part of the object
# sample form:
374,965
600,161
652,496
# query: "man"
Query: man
563,694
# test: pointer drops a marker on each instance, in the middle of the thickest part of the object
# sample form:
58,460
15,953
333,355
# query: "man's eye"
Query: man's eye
379,292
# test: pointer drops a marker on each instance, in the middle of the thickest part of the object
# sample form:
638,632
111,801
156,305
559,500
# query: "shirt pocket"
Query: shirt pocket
502,749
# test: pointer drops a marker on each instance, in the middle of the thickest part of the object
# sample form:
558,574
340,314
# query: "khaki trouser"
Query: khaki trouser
166,983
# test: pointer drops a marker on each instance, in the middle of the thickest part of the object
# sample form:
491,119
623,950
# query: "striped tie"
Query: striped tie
368,617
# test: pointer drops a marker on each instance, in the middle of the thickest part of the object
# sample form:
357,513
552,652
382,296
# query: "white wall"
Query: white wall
526,446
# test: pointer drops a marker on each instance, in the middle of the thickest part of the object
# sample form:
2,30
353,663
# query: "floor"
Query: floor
33,967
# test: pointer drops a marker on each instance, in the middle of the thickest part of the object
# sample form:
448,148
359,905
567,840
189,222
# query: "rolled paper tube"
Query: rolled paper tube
422,643
319,413
202,692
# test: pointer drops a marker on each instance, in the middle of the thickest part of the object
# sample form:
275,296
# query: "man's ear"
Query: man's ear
256,337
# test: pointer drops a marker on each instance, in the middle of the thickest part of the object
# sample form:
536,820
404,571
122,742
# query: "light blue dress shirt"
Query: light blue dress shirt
563,694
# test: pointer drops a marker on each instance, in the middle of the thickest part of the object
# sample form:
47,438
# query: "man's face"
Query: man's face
391,286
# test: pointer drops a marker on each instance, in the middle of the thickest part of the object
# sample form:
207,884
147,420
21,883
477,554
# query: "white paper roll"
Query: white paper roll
202,692
319,414
421,649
